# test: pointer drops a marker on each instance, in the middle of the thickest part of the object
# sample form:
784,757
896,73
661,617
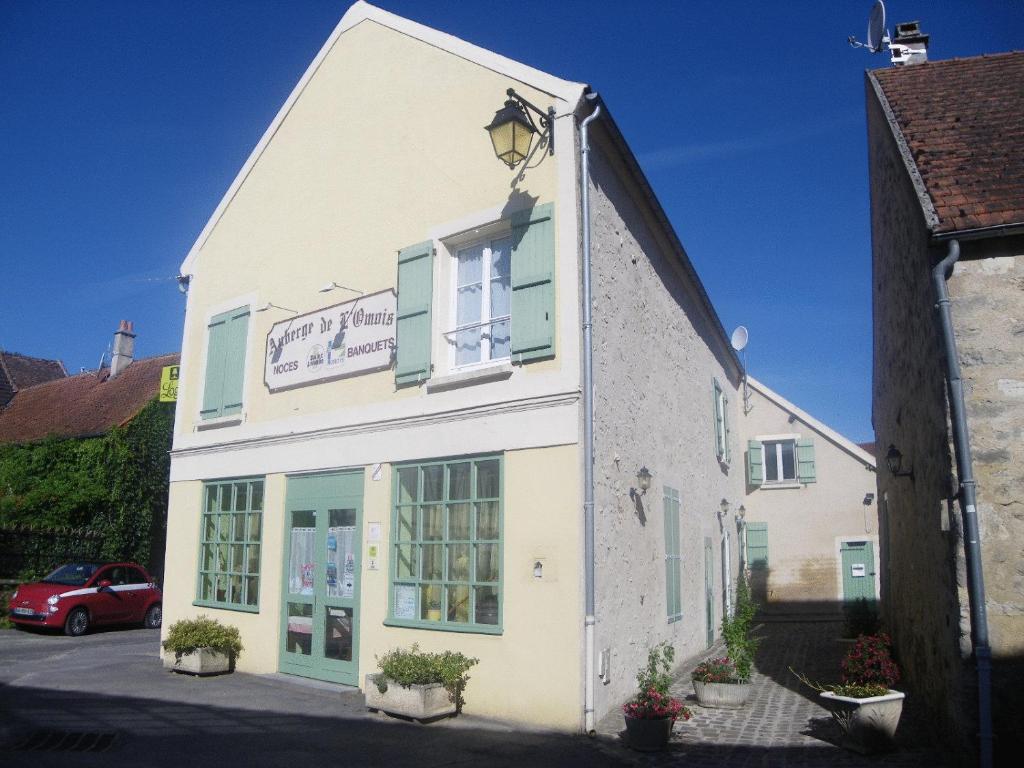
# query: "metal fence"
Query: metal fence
26,552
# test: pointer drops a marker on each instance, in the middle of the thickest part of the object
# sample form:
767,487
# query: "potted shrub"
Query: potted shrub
864,704
652,712
202,646
724,683
418,685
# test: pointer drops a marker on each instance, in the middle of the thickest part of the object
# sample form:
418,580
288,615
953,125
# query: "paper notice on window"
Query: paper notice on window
405,601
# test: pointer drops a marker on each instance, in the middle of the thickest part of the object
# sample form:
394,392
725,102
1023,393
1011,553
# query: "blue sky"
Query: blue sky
123,123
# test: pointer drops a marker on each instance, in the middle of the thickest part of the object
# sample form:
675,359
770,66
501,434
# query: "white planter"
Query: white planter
721,695
869,725
202,661
419,702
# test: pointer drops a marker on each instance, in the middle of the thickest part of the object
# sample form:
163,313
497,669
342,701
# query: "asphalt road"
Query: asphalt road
109,690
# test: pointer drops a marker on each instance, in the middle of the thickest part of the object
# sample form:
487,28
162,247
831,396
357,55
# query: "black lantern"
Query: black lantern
643,482
512,129
894,460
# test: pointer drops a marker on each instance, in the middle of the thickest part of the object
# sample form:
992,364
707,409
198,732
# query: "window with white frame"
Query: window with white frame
780,461
481,331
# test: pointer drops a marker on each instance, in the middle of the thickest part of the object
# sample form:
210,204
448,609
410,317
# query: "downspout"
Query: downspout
588,429
968,508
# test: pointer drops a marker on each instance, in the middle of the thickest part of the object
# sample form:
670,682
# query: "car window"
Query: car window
135,576
72,575
118,576
104,575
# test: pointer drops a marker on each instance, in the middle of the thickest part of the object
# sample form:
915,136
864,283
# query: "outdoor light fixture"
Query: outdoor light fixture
183,281
512,129
268,305
643,482
332,285
724,506
894,460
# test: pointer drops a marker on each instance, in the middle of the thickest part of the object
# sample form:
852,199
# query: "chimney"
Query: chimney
909,45
124,348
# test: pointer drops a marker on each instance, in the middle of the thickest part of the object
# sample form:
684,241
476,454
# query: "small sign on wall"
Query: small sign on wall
169,383
857,570
372,554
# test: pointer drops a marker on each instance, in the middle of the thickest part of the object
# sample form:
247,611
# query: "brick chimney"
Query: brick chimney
124,348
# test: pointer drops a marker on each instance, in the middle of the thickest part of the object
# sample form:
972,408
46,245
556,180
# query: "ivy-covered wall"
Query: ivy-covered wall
115,485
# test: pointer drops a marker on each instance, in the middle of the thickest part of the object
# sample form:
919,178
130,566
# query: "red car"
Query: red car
78,595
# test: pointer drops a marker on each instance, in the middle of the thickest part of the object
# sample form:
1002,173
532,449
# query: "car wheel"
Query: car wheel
154,616
77,622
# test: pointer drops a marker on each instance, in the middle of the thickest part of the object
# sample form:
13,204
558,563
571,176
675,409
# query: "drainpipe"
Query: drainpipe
968,508
588,428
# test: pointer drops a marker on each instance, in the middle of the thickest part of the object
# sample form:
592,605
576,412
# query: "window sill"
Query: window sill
780,486
226,606
220,421
437,626
469,378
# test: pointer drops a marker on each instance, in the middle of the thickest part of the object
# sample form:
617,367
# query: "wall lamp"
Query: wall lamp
512,129
268,305
643,482
894,460
332,285
183,281
723,506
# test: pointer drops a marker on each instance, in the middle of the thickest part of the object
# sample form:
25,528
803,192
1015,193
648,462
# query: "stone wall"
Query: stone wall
656,354
923,580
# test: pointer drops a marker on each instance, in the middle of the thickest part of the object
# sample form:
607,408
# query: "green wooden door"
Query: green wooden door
709,590
858,562
320,585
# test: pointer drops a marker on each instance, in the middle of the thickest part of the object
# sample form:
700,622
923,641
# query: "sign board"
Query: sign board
169,383
857,570
347,339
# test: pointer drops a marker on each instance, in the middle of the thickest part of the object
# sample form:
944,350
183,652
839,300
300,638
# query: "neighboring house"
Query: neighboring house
76,451
20,371
946,159
811,522
381,431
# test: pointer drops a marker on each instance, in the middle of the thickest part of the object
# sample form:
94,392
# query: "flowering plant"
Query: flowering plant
869,663
721,670
653,700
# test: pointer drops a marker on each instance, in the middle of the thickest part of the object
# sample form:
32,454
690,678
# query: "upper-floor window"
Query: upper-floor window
482,311
721,423
227,335
780,460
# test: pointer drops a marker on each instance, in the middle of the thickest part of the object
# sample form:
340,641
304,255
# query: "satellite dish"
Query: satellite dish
876,27
739,338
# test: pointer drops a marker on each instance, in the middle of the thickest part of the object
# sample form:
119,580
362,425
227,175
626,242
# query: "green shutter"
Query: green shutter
805,471
533,284
716,391
415,293
725,427
225,363
673,571
757,545
755,463
234,362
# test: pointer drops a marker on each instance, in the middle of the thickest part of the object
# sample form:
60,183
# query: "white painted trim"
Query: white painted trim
839,541
777,438
847,445
566,90
542,424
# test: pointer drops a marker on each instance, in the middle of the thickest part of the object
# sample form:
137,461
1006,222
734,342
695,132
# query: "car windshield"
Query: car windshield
73,574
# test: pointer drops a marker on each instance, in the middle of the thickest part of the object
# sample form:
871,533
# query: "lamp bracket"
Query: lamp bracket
545,124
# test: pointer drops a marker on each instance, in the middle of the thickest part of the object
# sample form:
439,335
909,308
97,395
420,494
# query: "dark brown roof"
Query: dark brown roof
869,447
82,405
24,371
963,121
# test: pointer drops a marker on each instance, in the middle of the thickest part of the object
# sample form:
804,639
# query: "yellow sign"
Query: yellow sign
169,384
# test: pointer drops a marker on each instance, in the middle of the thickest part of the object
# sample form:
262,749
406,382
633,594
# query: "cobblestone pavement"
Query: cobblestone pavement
782,724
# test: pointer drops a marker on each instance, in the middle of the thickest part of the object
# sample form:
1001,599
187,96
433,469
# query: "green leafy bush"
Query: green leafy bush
416,667
188,635
736,631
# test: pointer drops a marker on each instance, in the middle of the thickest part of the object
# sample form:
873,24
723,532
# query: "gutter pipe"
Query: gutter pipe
588,428
968,508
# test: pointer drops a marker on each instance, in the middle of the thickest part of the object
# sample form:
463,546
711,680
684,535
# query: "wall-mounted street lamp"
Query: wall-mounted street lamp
894,460
512,129
268,305
643,483
724,507
333,285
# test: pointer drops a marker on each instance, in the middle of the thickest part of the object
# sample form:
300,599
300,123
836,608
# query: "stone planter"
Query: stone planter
722,695
202,661
869,725
419,702
647,735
